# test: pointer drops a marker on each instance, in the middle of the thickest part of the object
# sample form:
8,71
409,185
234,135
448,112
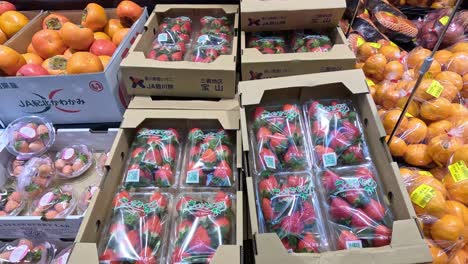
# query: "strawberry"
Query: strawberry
308,244
108,255
195,135
296,181
350,131
356,198
319,129
292,224
186,28
223,152
353,155
184,228
329,181
137,152
291,108
162,57
268,51
153,141
340,210
321,150
121,197
374,210
279,142
295,158
168,153
146,256
222,174
257,116
223,197
364,172
153,225
287,246
15,196
293,132
208,157
346,236
313,109
338,140
179,255
308,213
10,206
382,236
267,186
360,219
263,135
194,153
280,50
160,199
175,135
163,176
200,240
223,225
133,237
276,124
267,210
176,56
268,159
152,157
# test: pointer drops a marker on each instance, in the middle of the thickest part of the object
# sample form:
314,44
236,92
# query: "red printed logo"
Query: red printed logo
96,86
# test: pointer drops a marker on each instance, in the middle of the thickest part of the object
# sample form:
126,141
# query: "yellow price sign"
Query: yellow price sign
408,114
360,41
422,195
459,171
435,89
444,20
370,82
375,45
426,173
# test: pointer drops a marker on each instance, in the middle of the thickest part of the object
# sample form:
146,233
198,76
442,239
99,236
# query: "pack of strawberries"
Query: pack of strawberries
305,156
289,42
206,39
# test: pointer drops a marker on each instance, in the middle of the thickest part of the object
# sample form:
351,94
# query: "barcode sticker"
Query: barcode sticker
426,173
202,39
360,41
459,171
408,114
444,20
329,159
353,244
270,162
375,45
133,176
422,195
193,176
162,37
370,82
435,89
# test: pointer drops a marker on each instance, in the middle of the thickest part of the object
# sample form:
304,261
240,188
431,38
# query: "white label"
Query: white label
93,190
162,37
270,162
133,175
329,159
46,199
193,176
202,39
68,153
19,253
27,132
63,259
353,244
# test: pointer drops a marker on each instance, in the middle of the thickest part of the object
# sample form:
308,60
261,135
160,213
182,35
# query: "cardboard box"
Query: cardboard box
272,15
14,227
256,65
69,98
408,244
33,16
142,76
85,249
147,102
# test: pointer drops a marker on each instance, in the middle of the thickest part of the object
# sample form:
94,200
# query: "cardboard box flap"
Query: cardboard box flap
228,9
83,253
252,92
227,119
147,102
290,5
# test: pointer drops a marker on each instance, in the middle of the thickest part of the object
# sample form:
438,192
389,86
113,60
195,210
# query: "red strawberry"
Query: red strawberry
186,28
267,186
319,129
346,236
279,49
146,256
353,155
296,181
374,210
320,150
350,131
133,237
338,140
223,225
329,180
223,152
137,152
200,241
279,142
108,255
287,246
168,152
313,108
360,219
175,135
308,213
308,244
163,176
119,197
268,159
292,224
276,124
382,236
340,210
290,107
295,157
176,56
175,28
153,157
267,210
153,225
182,203
223,173
259,111
357,198
184,37
153,140
263,135
364,172
293,132
209,156
160,199
194,152
268,51
223,197
162,57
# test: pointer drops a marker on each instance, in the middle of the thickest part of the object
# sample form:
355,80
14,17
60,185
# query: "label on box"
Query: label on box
18,253
459,171
444,20
435,89
133,176
162,37
422,195
426,173
193,176
353,244
329,159
270,162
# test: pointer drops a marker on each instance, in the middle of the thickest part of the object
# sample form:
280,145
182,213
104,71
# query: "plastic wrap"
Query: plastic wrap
72,161
359,215
85,198
277,139
308,42
27,251
203,221
209,47
168,51
268,42
217,26
289,206
62,256
56,202
138,228
37,175
336,133
209,159
154,158
29,136
101,163
12,202
176,29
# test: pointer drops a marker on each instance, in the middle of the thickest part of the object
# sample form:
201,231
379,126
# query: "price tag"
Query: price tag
360,41
353,244
375,45
133,175
435,89
193,176
162,37
370,82
408,114
426,173
444,20
270,162
422,195
459,171
329,159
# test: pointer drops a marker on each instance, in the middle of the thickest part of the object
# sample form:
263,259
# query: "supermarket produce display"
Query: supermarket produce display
262,131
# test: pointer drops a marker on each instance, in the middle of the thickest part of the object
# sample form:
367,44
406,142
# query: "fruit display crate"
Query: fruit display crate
406,237
256,65
158,76
178,117
67,99
259,15
37,227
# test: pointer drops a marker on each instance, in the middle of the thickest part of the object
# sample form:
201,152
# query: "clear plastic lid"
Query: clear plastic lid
62,257
56,202
15,167
101,163
30,136
12,202
27,251
72,161
37,175
85,198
